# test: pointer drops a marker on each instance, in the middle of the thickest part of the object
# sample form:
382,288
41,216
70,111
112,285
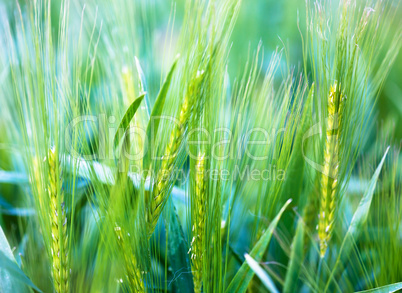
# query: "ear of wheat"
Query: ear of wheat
58,219
132,268
198,229
158,198
329,177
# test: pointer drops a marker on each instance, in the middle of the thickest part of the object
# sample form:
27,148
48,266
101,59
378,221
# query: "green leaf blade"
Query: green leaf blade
384,289
359,218
264,277
157,111
244,274
295,261
128,116
12,278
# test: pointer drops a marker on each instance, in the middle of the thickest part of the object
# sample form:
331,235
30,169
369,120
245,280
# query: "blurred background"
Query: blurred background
277,24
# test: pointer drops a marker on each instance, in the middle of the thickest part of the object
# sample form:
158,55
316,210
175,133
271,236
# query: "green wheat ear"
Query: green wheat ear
329,177
156,204
158,197
130,261
58,219
198,229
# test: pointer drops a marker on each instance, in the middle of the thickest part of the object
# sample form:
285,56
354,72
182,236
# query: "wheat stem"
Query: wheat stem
58,219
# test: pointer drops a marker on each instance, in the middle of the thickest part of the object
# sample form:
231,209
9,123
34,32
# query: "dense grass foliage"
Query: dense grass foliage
145,148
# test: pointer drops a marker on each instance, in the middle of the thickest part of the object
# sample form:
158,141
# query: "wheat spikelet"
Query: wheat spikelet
132,268
158,196
58,227
199,223
329,177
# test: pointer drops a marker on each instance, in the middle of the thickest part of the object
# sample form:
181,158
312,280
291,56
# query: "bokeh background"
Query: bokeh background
277,24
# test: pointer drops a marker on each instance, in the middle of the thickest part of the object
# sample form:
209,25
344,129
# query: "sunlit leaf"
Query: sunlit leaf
264,277
12,278
359,218
153,124
296,258
384,289
244,274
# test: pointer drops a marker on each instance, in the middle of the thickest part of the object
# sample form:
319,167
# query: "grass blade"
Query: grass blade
264,277
244,275
128,116
384,289
157,111
295,261
359,217
12,278
141,75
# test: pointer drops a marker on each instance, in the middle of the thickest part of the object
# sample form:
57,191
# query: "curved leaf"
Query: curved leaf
264,277
141,75
157,111
296,257
12,278
359,217
384,289
128,116
244,274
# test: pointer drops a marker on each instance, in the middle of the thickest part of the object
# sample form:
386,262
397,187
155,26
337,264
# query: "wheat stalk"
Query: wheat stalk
199,223
58,226
132,268
329,178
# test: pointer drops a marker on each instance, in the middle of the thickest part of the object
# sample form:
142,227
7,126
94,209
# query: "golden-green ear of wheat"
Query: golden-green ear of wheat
130,261
156,204
58,219
198,228
329,177
157,200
